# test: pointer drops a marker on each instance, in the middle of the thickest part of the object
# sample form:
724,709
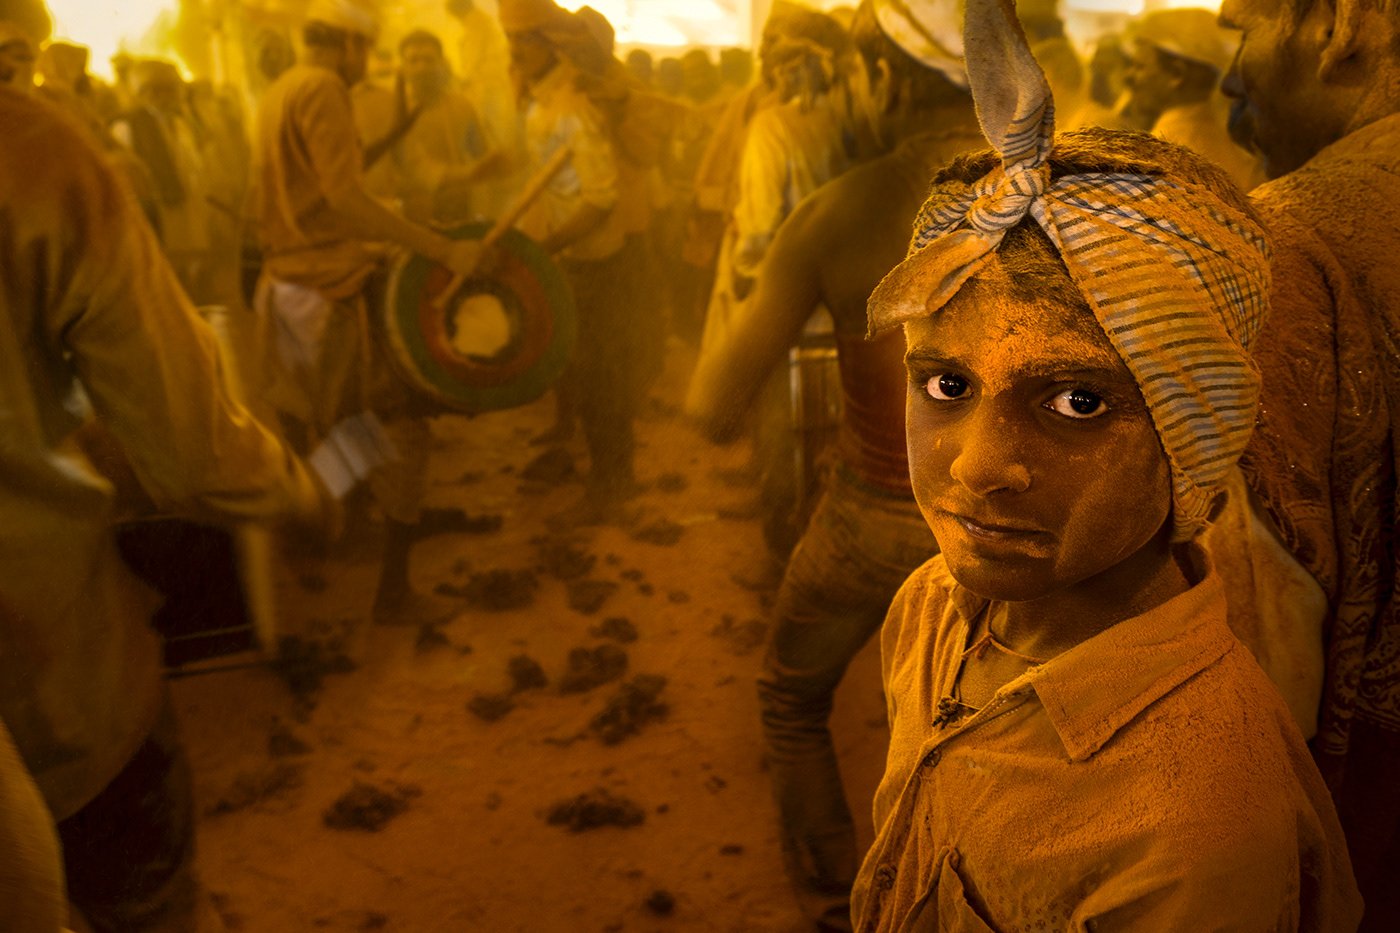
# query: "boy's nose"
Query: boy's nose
989,459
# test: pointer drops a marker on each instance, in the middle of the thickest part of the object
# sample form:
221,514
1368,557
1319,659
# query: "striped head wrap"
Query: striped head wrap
1177,279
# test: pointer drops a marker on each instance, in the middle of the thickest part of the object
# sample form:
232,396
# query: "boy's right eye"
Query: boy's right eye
947,387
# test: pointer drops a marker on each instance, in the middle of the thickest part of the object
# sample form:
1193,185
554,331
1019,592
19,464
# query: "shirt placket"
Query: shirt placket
886,872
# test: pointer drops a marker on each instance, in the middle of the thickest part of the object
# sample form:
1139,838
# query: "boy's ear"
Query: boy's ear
1343,35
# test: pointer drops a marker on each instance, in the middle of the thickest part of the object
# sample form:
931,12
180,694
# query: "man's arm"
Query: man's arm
327,121
788,290
149,364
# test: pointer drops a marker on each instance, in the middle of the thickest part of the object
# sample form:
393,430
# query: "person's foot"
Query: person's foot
454,521
561,433
414,608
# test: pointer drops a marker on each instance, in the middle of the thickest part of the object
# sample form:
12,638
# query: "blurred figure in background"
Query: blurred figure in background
735,68
1316,91
866,534
18,57
428,148
1108,68
157,131
594,216
485,77
323,236
1178,57
670,77
640,65
1056,55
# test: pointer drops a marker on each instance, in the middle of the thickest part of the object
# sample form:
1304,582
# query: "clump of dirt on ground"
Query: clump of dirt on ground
367,807
660,902
593,667
743,638
430,638
662,531
496,590
672,482
490,706
588,596
617,628
250,787
635,704
302,664
554,467
562,560
593,809
525,673
283,743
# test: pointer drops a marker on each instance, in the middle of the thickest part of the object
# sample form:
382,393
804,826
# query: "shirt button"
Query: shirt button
884,878
931,760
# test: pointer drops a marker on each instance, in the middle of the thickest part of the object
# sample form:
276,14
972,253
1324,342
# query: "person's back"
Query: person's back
1325,117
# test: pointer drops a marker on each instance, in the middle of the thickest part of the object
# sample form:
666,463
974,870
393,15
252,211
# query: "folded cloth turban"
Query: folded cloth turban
1177,279
929,31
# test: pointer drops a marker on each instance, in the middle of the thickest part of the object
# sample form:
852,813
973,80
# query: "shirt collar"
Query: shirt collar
1100,685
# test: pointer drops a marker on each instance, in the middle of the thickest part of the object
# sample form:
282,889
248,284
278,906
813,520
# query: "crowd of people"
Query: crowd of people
1114,477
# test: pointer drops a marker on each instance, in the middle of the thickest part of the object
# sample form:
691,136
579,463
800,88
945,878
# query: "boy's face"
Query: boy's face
1033,457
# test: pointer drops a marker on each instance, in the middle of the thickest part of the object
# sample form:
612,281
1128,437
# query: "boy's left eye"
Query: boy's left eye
1078,403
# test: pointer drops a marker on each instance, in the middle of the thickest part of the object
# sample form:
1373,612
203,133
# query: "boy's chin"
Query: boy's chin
1004,581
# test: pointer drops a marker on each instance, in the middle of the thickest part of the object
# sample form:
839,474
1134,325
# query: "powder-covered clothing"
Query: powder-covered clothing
306,153
1323,461
88,303
789,153
1148,779
562,115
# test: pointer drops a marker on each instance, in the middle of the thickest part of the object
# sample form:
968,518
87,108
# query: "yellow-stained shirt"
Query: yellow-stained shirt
789,153
1150,778
307,153
87,302
561,115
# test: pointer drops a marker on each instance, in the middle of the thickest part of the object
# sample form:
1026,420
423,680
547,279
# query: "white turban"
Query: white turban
929,31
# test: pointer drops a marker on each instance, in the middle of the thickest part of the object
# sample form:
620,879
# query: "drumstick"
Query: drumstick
527,197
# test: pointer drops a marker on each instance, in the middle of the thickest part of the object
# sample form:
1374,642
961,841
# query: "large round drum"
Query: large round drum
499,343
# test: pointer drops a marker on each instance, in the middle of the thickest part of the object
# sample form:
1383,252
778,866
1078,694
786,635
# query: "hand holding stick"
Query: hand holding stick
532,191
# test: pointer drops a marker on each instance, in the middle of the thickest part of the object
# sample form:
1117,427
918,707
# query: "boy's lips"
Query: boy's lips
990,530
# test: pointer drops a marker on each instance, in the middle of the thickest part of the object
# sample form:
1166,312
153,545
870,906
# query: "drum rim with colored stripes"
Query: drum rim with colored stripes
528,284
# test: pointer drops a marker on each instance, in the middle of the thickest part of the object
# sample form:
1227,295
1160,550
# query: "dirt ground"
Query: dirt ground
447,826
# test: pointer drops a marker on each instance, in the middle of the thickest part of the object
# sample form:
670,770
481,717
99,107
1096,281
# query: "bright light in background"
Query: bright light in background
107,26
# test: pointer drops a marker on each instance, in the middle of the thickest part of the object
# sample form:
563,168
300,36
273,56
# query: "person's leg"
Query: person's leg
129,854
838,586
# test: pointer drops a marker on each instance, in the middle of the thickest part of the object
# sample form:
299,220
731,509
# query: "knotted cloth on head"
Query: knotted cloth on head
1177,279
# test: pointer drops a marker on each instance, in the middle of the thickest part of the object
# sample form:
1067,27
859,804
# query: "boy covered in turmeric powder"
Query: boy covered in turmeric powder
1078,740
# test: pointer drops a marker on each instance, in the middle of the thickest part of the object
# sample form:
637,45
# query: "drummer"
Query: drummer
320,231
594,216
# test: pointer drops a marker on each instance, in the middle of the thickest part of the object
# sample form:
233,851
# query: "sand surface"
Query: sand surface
465,844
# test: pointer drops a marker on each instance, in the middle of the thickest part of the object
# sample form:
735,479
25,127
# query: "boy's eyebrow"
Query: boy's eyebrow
1089,365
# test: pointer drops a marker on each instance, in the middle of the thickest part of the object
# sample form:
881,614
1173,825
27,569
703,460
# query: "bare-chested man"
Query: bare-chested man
866,535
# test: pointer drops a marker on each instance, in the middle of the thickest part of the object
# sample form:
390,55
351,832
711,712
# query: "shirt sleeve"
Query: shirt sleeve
147,361
327,118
